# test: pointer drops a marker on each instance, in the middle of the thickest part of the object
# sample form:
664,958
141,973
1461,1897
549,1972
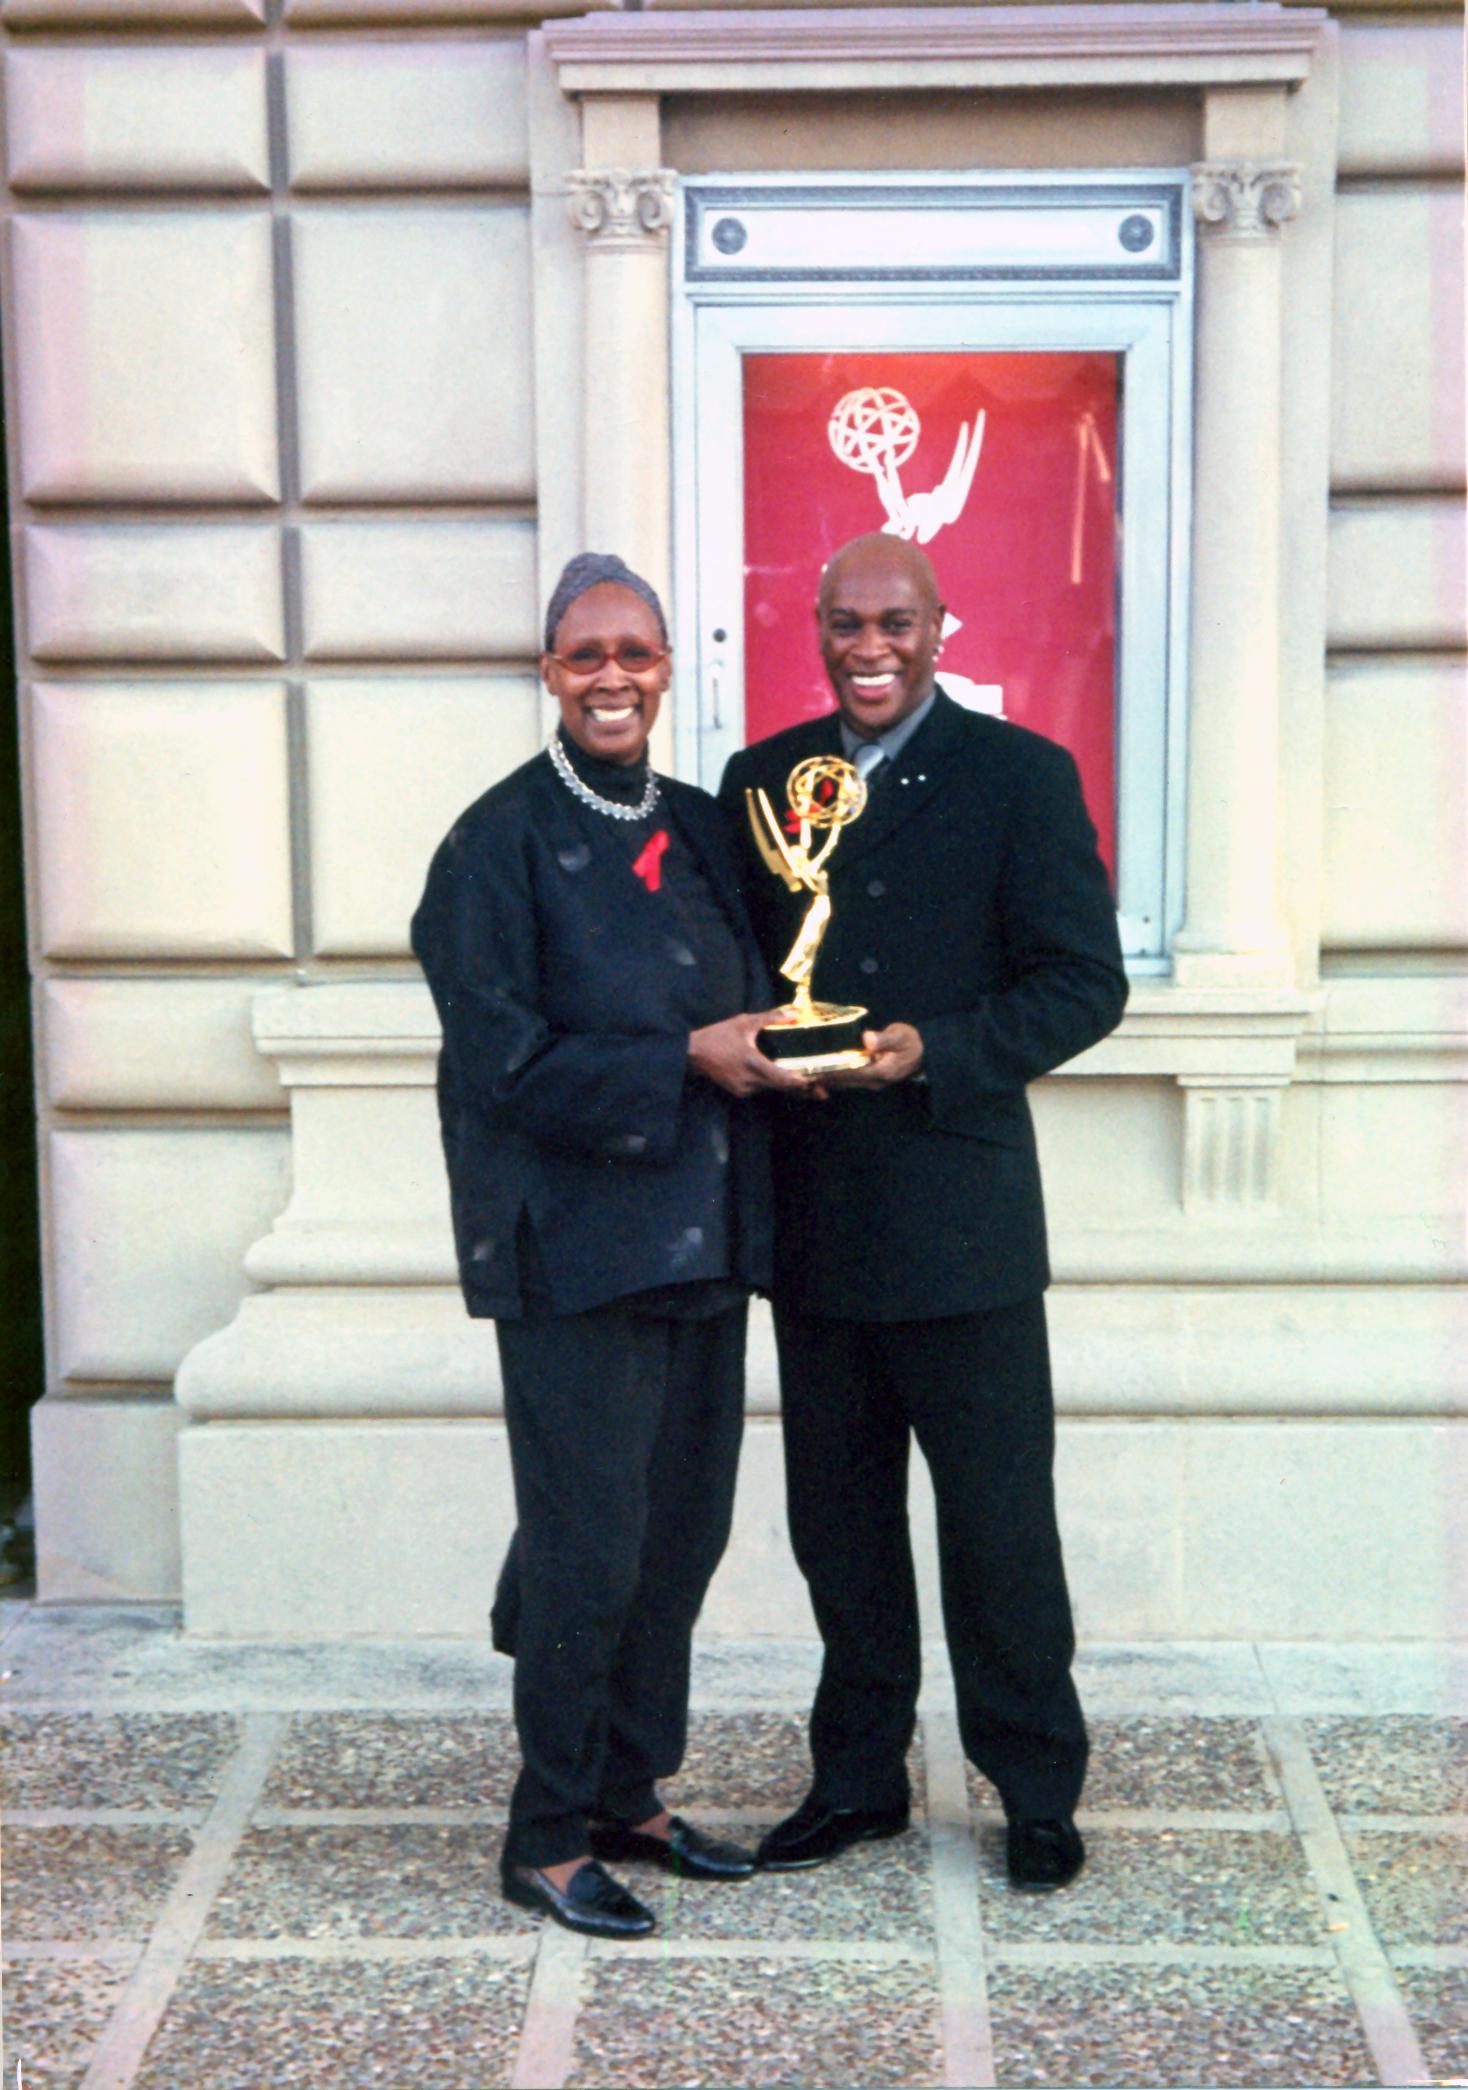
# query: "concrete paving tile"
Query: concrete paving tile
134,1657
394,1760
12,1611
1150,2025
1162,1761
54,2014
115,1657
879,1891
1415,1887
370,1882
440,2024
1437,2003
1401,1763
89,1882
753,1763
1185,1886
781,1673
1361,1677
74,1650
114,1759
648,2021
1180,1676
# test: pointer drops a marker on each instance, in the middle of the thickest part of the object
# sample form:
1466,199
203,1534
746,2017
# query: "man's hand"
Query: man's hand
727,1054
896,1055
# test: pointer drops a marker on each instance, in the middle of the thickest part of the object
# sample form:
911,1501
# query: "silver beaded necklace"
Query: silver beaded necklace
573,783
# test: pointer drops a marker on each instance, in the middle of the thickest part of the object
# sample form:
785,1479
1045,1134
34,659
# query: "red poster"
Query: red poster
1003,468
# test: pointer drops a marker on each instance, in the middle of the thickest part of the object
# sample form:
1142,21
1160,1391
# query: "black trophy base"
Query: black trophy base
824,1041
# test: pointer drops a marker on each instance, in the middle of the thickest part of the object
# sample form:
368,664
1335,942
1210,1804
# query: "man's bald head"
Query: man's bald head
876,551
880,624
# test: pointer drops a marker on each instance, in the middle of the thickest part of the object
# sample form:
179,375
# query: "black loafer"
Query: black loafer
686,1852
815,1832
591,1901
1044,1855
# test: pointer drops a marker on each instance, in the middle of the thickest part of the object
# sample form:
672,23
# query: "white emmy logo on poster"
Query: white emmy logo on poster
874,429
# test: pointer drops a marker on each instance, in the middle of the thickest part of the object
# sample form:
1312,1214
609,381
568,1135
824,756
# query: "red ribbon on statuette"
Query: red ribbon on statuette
649,865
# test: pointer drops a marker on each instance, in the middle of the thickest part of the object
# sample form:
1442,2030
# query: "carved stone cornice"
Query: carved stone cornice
1245,199
621,206
825,50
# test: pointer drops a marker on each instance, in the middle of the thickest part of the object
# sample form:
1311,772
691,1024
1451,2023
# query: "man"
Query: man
971,916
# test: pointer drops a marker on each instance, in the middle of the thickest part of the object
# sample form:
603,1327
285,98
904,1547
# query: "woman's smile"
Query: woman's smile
612,714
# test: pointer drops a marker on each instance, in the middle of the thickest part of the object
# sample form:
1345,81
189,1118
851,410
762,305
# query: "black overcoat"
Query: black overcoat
566,1102
968,899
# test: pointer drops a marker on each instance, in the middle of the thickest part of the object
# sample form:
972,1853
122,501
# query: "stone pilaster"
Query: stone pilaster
625,214
1232,932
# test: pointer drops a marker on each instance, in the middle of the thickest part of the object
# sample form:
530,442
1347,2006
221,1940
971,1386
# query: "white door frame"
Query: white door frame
1042,268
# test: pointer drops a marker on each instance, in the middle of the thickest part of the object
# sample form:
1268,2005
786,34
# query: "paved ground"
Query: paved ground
231,1867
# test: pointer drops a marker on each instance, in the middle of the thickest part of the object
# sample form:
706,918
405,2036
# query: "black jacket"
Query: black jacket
568,1110
968,899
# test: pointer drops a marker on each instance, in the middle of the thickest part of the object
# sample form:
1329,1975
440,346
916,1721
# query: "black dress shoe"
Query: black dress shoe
1044,1855
686,1851
815,1832
591,1901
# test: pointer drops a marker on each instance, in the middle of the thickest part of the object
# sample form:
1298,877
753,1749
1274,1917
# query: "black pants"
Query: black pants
975,1390
624,1440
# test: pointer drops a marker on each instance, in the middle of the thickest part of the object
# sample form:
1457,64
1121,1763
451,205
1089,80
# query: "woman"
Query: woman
586,945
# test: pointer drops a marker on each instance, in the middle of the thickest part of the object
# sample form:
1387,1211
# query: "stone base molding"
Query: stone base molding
104,1469
1174,1528
1233,1052
359,1312
351,1398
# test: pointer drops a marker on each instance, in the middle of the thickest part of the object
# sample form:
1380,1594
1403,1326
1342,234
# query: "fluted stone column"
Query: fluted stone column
1233,932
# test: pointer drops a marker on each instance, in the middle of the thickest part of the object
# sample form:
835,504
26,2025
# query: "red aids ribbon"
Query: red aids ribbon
792,822
649,865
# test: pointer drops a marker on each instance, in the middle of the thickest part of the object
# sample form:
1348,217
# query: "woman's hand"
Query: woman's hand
727,1054
896,1055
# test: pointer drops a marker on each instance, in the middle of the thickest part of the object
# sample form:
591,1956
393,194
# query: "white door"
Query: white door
1028,431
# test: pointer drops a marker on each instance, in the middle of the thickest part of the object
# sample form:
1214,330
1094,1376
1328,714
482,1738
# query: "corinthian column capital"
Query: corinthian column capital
620,206
1245,199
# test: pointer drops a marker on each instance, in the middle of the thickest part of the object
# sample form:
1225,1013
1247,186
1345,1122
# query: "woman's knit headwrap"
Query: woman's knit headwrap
591,570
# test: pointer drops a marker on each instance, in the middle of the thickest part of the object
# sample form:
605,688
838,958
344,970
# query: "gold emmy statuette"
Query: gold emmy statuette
812,1037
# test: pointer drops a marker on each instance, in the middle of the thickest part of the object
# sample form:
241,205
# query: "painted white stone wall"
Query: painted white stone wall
289,341
1396,877
271,469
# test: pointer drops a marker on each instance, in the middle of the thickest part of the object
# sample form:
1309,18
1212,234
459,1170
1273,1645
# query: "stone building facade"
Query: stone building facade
331,328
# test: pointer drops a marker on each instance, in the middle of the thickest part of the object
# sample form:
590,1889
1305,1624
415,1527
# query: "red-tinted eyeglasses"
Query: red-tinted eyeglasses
632,656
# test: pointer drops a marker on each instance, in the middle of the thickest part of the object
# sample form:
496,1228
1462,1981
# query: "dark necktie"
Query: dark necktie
871,763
